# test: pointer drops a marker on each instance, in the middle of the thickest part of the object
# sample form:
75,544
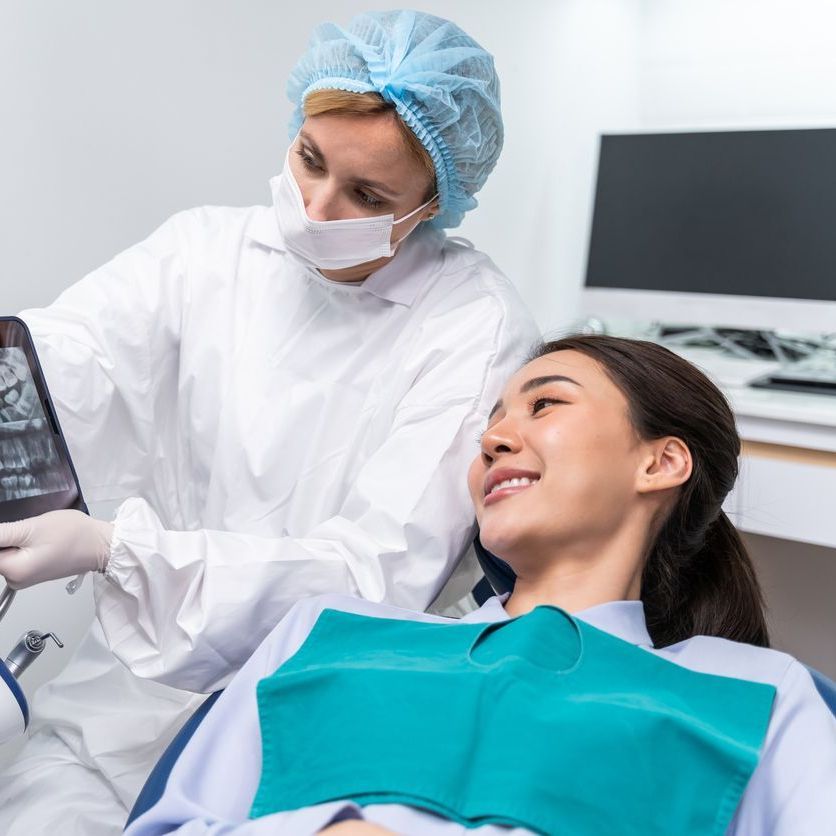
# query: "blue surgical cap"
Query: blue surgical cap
441,82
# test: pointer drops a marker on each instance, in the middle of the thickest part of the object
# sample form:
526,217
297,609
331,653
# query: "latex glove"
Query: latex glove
58,544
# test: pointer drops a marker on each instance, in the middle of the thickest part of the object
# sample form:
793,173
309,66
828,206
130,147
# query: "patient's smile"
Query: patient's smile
507,482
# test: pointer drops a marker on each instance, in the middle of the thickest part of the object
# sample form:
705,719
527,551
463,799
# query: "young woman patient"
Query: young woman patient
625,685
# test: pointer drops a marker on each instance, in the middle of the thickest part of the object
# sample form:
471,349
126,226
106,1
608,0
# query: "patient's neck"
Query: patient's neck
577,577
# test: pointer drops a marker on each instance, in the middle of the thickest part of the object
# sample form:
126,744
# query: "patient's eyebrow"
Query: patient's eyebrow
534,383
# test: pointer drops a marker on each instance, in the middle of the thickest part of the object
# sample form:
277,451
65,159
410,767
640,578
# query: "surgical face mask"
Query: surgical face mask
331,245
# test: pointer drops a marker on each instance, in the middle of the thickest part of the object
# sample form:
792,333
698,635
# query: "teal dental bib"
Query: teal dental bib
542,722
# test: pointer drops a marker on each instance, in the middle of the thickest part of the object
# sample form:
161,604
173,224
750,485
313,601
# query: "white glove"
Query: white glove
58,544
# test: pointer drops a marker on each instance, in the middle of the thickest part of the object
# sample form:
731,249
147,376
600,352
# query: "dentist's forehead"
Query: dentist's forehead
370,147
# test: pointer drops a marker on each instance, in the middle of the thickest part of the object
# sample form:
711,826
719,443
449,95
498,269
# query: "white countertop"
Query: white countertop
769,415
783,406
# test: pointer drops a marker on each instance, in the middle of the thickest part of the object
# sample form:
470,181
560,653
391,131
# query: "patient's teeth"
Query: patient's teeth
523,481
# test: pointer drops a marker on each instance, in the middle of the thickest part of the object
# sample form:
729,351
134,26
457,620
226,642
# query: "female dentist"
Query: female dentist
285,401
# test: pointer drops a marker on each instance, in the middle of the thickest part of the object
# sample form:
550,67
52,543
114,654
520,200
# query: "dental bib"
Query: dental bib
542,722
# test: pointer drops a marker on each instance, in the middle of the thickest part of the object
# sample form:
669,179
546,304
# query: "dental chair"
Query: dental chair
499,578
825,687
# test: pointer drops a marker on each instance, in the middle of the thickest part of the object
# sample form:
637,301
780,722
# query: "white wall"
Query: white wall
737,63
581,82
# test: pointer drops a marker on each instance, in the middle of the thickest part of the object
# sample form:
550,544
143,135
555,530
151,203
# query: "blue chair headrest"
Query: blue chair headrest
826,688
154,787
499,574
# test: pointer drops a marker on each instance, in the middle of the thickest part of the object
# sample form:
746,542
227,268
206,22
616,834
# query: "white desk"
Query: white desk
787,485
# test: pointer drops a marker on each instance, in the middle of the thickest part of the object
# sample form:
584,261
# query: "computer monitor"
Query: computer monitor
727,228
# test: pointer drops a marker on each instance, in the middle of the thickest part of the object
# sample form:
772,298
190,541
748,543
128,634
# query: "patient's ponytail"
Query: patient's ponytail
698,578
712,591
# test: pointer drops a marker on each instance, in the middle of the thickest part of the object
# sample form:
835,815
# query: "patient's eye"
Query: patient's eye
542,402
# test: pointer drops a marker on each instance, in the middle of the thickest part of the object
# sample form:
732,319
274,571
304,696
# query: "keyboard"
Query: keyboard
814,375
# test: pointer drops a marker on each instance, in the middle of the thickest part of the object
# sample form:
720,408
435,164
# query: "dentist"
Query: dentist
281,402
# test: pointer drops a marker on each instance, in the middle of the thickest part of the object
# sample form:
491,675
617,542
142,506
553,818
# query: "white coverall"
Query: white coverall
274,435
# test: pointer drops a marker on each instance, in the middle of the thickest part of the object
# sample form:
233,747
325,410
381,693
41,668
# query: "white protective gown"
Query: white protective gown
274,435
790,792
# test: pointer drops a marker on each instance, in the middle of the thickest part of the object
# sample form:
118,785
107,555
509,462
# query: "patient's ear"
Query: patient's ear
667,464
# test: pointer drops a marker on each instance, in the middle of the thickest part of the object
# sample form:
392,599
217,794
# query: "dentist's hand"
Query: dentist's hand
58,544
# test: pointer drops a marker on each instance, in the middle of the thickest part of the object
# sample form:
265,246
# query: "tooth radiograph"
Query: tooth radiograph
29,461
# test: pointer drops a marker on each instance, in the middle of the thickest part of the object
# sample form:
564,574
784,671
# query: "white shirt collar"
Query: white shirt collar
398,281
624,619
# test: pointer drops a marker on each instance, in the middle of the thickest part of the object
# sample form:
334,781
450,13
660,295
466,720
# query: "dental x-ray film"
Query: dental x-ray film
29,460
36,472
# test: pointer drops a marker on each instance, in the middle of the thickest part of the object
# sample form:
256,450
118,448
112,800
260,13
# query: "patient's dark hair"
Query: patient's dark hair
698,578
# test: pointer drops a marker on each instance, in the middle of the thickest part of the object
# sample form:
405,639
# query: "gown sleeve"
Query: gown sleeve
188,608
200,798
793,790
108,348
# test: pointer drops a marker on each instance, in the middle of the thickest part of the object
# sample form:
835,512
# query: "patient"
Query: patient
625,686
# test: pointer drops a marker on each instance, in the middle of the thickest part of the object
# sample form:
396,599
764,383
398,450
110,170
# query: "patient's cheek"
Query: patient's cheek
475,481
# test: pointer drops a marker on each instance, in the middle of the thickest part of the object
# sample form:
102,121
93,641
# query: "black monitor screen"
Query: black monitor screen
749,213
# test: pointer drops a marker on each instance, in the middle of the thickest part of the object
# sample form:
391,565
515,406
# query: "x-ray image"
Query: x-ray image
29,461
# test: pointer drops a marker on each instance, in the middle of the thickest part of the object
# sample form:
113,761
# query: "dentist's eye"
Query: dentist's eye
307,160
367,200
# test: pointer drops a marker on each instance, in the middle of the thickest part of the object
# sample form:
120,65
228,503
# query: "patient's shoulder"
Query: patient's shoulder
710,654
798,702
292,631
309,609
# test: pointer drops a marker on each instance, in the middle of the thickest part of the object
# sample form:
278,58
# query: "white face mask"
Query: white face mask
331,245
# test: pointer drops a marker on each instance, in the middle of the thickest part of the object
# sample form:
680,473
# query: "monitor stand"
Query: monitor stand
739,342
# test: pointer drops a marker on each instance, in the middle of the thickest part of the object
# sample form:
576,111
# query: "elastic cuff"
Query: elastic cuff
120,560
107,532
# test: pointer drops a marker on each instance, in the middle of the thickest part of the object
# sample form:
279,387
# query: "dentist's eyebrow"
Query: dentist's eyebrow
376,186
362,182
535,383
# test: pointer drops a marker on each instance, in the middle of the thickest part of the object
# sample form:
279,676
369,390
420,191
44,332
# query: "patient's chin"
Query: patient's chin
500,540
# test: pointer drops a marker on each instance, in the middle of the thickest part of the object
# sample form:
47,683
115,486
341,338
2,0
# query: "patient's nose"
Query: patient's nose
501,437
